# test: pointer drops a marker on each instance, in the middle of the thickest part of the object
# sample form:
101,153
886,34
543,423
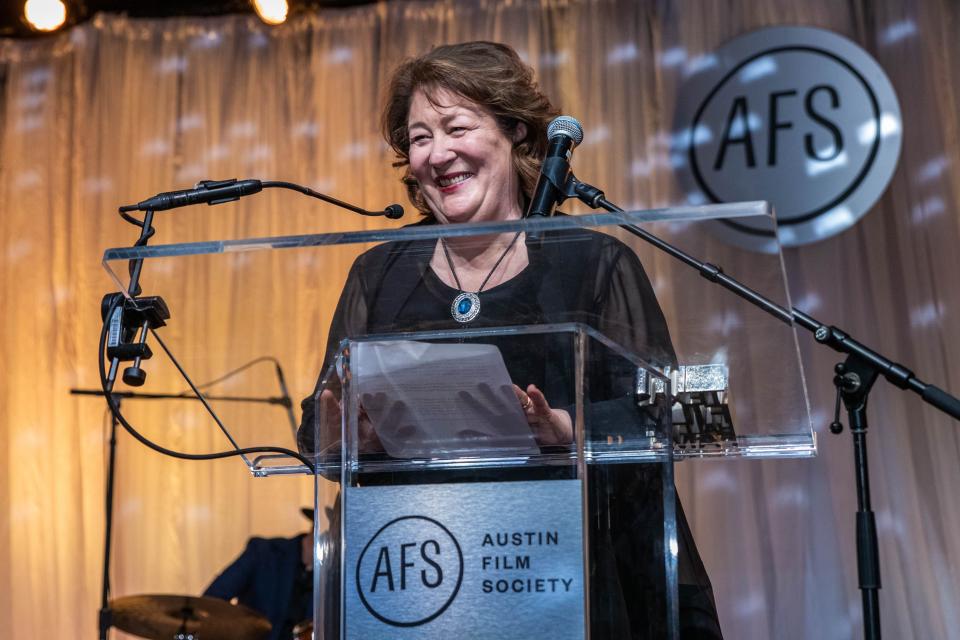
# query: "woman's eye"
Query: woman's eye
419,138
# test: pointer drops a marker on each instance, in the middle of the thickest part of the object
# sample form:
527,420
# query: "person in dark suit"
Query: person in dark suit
273,576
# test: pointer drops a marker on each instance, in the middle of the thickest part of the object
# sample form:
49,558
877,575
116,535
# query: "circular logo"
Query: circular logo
800,117
410,571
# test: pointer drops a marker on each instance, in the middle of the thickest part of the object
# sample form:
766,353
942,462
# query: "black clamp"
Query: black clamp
131,316
846,382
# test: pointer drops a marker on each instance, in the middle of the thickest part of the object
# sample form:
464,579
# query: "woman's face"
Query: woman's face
462,160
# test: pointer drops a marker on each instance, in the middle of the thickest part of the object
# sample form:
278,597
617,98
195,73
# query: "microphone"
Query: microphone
210,191
220,191
393,212
563,134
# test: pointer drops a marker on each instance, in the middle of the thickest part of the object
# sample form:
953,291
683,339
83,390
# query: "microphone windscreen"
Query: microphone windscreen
566,126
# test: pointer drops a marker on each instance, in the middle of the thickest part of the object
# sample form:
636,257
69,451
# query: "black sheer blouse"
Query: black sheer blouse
572,276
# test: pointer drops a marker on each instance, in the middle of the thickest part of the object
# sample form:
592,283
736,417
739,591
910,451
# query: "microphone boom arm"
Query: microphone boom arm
854,379
828,335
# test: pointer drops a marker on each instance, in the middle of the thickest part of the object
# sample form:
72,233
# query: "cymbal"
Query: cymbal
160,617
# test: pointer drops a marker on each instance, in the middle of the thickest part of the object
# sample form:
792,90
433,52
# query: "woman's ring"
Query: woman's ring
527,403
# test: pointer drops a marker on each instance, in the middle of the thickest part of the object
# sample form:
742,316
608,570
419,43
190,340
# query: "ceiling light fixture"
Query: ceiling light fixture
45,15
271,11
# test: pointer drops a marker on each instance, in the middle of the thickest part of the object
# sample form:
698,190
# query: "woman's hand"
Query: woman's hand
331,415
550,426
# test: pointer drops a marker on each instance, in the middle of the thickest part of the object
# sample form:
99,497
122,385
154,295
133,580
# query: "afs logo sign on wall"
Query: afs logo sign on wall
410,571
800,117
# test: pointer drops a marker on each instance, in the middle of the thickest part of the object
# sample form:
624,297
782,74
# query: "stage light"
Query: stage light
271,11
45,15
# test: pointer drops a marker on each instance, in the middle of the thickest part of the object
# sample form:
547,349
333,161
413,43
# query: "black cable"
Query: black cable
232,372
280,184
134,221
115,409
285,400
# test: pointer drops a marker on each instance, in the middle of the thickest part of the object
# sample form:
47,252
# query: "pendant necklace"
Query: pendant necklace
466,306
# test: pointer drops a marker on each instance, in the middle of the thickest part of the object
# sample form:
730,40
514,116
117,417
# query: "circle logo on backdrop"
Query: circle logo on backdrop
800,117
410,571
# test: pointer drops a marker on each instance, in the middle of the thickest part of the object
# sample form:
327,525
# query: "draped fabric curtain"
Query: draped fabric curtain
118,109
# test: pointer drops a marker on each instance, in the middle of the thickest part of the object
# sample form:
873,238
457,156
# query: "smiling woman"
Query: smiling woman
468,124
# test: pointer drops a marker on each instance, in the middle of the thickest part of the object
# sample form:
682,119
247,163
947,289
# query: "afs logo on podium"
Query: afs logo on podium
410,571
800,117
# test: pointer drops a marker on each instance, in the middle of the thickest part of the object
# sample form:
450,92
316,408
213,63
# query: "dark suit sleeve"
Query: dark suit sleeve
236,579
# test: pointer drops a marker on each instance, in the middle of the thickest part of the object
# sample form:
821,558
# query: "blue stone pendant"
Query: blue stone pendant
465,307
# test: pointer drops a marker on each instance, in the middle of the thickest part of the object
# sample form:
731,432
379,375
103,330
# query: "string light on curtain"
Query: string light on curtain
271,11
45,15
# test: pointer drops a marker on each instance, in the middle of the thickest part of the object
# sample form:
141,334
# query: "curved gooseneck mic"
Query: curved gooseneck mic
219,191
563,134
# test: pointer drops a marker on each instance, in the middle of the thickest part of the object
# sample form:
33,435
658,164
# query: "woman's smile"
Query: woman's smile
449,182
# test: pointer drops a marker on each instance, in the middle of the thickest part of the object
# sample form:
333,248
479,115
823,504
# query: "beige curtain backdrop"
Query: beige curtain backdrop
116,110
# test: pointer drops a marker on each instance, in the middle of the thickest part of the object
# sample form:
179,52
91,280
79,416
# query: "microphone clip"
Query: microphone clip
586,193
130,316
207,185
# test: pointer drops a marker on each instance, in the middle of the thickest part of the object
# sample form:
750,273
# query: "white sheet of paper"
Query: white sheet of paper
429,400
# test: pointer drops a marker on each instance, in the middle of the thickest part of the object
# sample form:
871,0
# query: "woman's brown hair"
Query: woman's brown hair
489,74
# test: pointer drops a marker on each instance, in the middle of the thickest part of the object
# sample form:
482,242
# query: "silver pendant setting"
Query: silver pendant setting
465,307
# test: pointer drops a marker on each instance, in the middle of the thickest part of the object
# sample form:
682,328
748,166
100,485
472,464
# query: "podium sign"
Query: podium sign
503,559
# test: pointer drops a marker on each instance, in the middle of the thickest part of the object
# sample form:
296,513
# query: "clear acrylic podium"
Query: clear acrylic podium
444,530
470,530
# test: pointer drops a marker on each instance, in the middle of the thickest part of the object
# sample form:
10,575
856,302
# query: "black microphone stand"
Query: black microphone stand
105,617
854,379
149,313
